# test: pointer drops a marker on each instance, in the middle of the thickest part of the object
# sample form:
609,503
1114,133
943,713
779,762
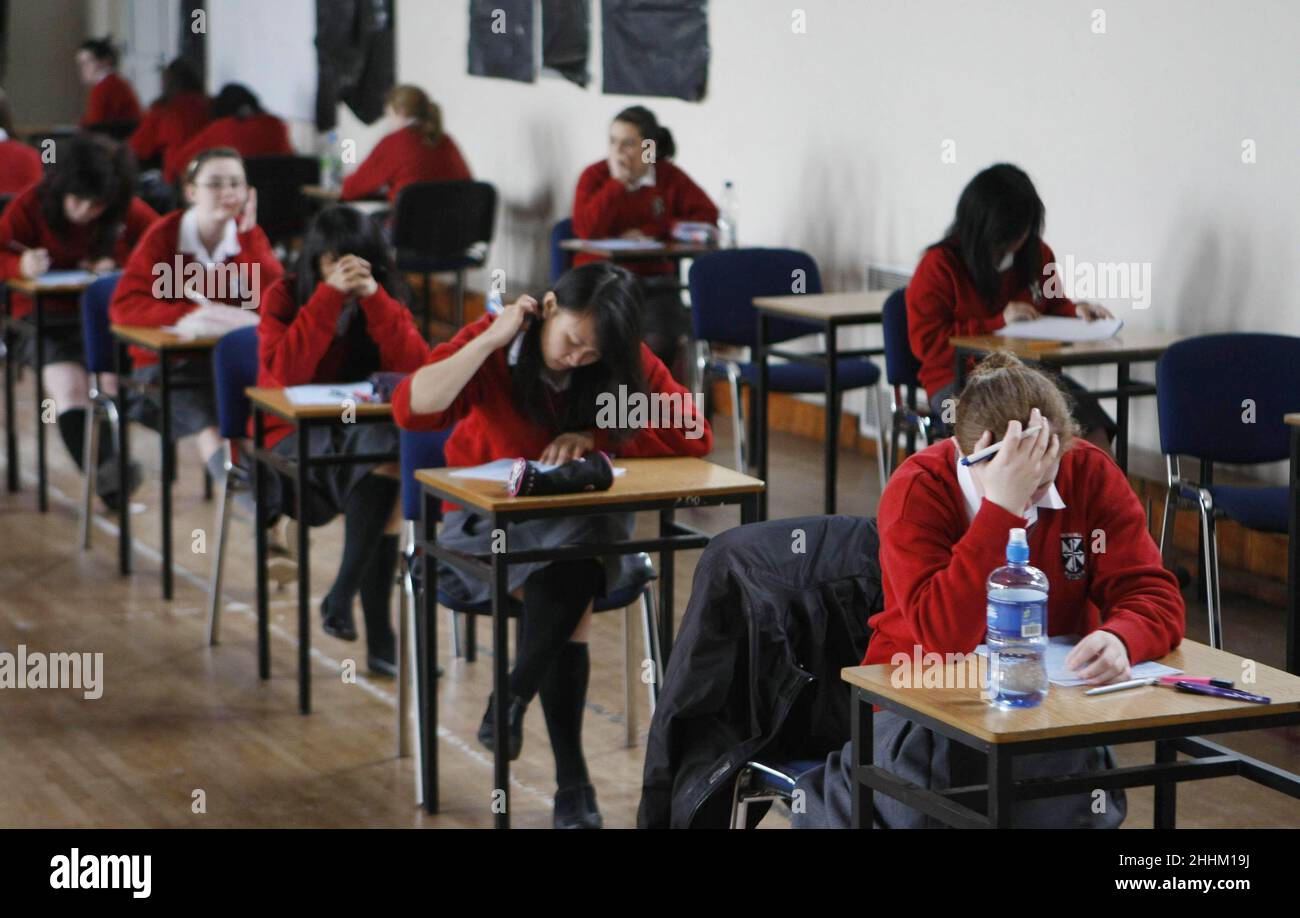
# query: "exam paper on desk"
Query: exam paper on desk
1062,328
1058,648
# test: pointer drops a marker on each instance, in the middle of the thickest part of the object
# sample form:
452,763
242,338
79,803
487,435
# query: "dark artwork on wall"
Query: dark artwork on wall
501,39
565,25
354,58
656,47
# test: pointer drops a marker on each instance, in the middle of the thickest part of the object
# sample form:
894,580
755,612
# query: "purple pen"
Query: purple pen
1197,688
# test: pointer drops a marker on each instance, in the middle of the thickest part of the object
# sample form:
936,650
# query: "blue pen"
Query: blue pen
981,454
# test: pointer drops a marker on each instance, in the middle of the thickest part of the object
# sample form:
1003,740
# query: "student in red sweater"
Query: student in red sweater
111,98
529,382
82,214
944,529
237,122
179,114
416,150
209,262
340,319
20,164
990,269
638,192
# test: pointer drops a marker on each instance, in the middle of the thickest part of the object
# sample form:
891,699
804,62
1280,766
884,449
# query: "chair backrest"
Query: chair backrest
95,332
234,369
282,211
901,365
561,260
723,286
443,219
1222,397
420,450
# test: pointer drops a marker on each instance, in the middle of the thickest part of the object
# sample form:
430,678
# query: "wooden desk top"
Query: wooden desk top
276,402
155,339
646,479
863,305
32,286
1292,419
1068,712
1130,344
320,193
667,250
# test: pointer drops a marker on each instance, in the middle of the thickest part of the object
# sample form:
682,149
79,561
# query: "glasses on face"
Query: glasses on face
218,185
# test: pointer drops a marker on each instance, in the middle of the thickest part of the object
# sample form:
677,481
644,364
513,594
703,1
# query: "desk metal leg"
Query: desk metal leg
123,462
168,471
864,798
11,422
304,573
42,479
666,588
500,681
1000,800
1293,561
1166,796
426,636
832,444
1121,415
760,412
260,472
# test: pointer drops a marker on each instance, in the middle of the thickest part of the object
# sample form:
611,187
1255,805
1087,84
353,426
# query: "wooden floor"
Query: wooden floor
178,717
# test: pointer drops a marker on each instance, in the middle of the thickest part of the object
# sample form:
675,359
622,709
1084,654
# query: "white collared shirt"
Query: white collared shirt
647,179
190,243
1049,501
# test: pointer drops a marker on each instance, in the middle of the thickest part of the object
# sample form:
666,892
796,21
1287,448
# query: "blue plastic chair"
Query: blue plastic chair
425,450
1221,399
723,287
901,369
234,369
97,340
561,260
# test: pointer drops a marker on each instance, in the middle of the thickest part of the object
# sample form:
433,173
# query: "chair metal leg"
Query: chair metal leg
405,655
739,805
650,638
1211,546
737,416
881,438
219,556
90,452
1171,508
631,669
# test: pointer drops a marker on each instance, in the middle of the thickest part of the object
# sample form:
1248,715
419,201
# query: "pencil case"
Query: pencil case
593,472
385,384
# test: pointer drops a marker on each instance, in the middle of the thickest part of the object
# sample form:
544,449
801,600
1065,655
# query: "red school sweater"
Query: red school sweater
490,427
942,302
603,208
257,135
24,223
403,157
20,166
170,124
298,346
935,560
134,302
111,99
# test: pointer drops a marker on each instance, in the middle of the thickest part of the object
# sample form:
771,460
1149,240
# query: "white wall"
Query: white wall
1133,137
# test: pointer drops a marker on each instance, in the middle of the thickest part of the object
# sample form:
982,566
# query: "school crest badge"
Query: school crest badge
1073,556
659,207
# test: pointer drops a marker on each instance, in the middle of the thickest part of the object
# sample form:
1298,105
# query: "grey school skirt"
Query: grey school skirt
922,757
471,533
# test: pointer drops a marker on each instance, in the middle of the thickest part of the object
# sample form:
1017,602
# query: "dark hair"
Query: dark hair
996,208
177,77
340,231
645,121
97,168
235,101
6,116
102,48
613,296
194,166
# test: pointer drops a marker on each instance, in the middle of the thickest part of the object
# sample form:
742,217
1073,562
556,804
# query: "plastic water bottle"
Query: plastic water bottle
1017,629
331,163
728,213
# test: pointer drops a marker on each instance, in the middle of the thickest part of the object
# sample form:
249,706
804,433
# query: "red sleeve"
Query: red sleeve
21,223
594,203
460,406
692,203
694,436
374,173
1139,600
1057,303
290,347
939,586
145,141
390,325
282,144
134,301
932,314
256,248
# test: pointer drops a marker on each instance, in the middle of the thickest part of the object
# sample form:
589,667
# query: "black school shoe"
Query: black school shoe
515,725
338,624
108,483
575,808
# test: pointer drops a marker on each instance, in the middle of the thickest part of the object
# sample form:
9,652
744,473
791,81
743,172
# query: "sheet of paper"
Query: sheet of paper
1061,328
621,244
73,276
330,393
500,470
1058,648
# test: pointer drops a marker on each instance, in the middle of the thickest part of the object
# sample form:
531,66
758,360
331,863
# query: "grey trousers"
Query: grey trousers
920,756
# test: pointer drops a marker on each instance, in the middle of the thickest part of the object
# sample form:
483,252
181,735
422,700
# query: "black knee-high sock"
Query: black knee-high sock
72,426
555,598
564,698
365,515
376,594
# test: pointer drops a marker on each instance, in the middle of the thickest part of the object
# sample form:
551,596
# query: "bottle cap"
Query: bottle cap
1018,547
